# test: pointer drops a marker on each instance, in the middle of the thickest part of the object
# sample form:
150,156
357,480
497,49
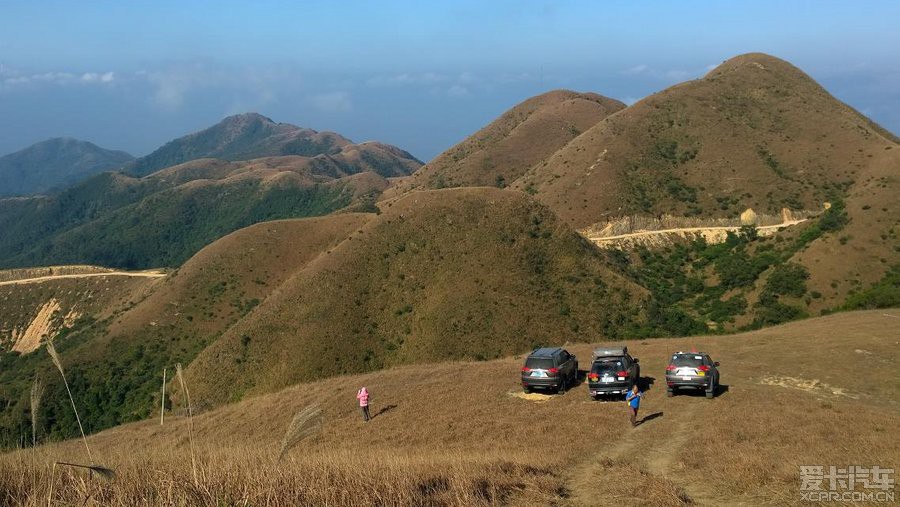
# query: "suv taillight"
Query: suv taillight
594,377
671,367
553,371
703,367
621,373
525,369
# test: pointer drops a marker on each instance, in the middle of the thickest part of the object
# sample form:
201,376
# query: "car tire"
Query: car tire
526,389
670,392
562,385
711,392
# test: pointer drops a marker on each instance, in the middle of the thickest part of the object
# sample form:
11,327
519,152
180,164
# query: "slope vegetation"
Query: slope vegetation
755,132
438,275
447,274
161,220
124,338
55,164
458,434
524,136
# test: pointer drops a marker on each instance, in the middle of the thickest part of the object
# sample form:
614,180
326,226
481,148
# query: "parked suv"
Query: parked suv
613,371
549,368
692,370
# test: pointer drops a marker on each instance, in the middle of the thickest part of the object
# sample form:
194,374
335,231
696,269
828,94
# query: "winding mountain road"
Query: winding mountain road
41,279
763,230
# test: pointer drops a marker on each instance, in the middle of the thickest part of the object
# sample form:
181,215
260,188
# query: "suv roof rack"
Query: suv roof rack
609,350
544,351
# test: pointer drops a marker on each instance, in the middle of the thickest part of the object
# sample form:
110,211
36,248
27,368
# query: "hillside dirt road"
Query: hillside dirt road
706,231
40,279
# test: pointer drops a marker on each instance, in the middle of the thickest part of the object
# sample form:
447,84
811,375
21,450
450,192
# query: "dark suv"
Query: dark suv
613,371
549,368
692,370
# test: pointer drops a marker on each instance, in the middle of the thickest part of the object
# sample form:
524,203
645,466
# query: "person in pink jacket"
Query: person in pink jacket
363,396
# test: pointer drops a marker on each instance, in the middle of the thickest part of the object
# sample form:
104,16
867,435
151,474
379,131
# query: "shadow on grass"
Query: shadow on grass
650,417
384,410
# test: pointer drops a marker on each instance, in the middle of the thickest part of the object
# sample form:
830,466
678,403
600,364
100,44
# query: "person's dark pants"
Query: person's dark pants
633,415
365,412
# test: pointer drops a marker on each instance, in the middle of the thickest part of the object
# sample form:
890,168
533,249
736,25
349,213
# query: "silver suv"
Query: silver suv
549,368
692,370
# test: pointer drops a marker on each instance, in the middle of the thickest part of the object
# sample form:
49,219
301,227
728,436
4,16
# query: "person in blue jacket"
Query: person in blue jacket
634,402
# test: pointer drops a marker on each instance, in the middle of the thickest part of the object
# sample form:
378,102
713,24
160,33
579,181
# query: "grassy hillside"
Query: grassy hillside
468,273
32,312
525,135
755,132
161,220
114,356
55,164
459,434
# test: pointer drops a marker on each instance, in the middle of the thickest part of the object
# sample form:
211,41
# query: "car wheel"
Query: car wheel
562,385
711,392
670,392
526,389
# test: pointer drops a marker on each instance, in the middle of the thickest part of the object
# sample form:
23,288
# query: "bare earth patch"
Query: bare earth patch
531,396
812,386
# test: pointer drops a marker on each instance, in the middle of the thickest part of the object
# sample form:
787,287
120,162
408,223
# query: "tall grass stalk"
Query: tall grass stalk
187,396
305,423
37,392
162,403
54,356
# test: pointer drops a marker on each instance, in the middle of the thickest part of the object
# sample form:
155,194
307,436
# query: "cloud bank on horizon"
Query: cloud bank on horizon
133,75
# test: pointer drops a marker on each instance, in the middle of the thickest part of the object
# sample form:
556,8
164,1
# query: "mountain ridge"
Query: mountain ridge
250,136
53,164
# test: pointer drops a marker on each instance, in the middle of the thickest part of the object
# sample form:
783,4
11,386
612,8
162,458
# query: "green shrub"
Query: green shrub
787,280
883,294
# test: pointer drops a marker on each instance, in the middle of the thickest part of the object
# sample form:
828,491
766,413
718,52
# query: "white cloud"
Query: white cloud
670,75
407,79
331,102
12,78
637,69
457,91
468,78
94,77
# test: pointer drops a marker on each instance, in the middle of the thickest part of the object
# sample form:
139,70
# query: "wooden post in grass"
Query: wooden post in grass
162,403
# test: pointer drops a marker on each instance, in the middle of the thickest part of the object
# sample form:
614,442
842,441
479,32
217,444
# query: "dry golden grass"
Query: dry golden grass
523,136
57,361
451,434
37,392
246,476
491,268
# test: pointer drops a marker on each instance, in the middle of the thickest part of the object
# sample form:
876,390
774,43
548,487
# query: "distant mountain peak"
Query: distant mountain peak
242,136
53,164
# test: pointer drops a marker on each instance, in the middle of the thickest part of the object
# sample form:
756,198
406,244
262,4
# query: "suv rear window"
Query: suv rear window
605,365
687,359
539,363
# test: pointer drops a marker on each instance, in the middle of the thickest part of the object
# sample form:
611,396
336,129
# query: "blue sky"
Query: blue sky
422,75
